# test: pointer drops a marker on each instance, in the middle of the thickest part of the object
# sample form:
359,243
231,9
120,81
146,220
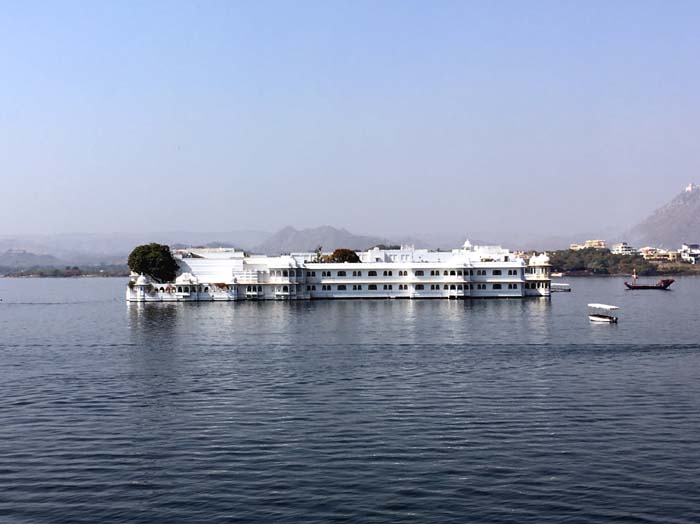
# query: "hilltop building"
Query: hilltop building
655,254
622,248
595,244
468,272
690,253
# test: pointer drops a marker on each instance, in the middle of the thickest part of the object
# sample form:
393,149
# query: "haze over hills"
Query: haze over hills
289,239
21,259
93,248
672,224
669,226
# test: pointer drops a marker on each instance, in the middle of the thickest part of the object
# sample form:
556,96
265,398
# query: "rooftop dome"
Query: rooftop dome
539,260
142,280
187,278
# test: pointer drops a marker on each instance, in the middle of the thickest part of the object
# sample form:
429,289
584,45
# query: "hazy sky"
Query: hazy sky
382,117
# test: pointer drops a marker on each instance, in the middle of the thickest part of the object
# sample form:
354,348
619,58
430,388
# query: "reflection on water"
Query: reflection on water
332,322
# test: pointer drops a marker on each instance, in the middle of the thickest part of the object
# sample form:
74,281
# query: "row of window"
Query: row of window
183,289
355,287
418,287
536,285
418,273
372,287
388,273
287,273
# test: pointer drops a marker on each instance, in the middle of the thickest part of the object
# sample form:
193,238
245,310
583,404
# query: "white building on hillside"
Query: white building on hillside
622,248
690,253
468,272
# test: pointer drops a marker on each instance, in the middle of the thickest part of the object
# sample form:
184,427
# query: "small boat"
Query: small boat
602,313
664,283
557,274
557,287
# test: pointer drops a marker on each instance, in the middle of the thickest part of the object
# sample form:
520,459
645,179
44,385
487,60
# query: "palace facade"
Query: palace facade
468,272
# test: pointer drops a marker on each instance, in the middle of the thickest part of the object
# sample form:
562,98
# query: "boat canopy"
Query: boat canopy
603,306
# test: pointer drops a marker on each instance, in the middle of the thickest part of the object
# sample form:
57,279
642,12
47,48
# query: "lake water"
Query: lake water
358,411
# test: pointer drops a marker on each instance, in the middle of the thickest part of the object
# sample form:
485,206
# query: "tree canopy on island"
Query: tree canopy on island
343,255
154,260
599,262
386,246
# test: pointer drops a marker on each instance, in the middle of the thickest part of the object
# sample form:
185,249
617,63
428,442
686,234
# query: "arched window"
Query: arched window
445,273
419,273
419,287
341,287
452,286
372,274
452,273
206,289
445,286
285,289
259,289
497,286
342,274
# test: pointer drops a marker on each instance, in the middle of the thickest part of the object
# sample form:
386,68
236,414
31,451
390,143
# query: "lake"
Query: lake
487,410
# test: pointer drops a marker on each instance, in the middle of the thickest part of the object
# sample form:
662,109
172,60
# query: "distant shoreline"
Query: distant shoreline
691,271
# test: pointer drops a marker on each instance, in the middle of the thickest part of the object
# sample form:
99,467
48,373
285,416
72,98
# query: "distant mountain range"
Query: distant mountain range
669,226
672,224
23,259
289,240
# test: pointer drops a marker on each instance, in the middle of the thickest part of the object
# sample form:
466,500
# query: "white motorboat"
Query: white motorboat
603,313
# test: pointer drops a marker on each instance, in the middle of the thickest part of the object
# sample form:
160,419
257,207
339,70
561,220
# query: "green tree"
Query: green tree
154,260
344,255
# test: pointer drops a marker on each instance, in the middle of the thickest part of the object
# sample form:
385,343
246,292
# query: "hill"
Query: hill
24,259
289,240
672,224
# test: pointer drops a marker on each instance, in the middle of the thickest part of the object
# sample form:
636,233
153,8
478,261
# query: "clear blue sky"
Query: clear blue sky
382,117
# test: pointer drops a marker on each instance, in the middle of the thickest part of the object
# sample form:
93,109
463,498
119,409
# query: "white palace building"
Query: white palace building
469,272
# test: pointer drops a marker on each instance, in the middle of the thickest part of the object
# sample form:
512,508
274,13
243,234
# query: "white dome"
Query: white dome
142,280
186,278
539,260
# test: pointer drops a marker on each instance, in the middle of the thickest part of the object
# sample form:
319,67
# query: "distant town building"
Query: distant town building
623,248
594,244
655,254
690,253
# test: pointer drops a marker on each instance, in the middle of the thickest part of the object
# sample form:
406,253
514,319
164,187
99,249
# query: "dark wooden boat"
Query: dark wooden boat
664,283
